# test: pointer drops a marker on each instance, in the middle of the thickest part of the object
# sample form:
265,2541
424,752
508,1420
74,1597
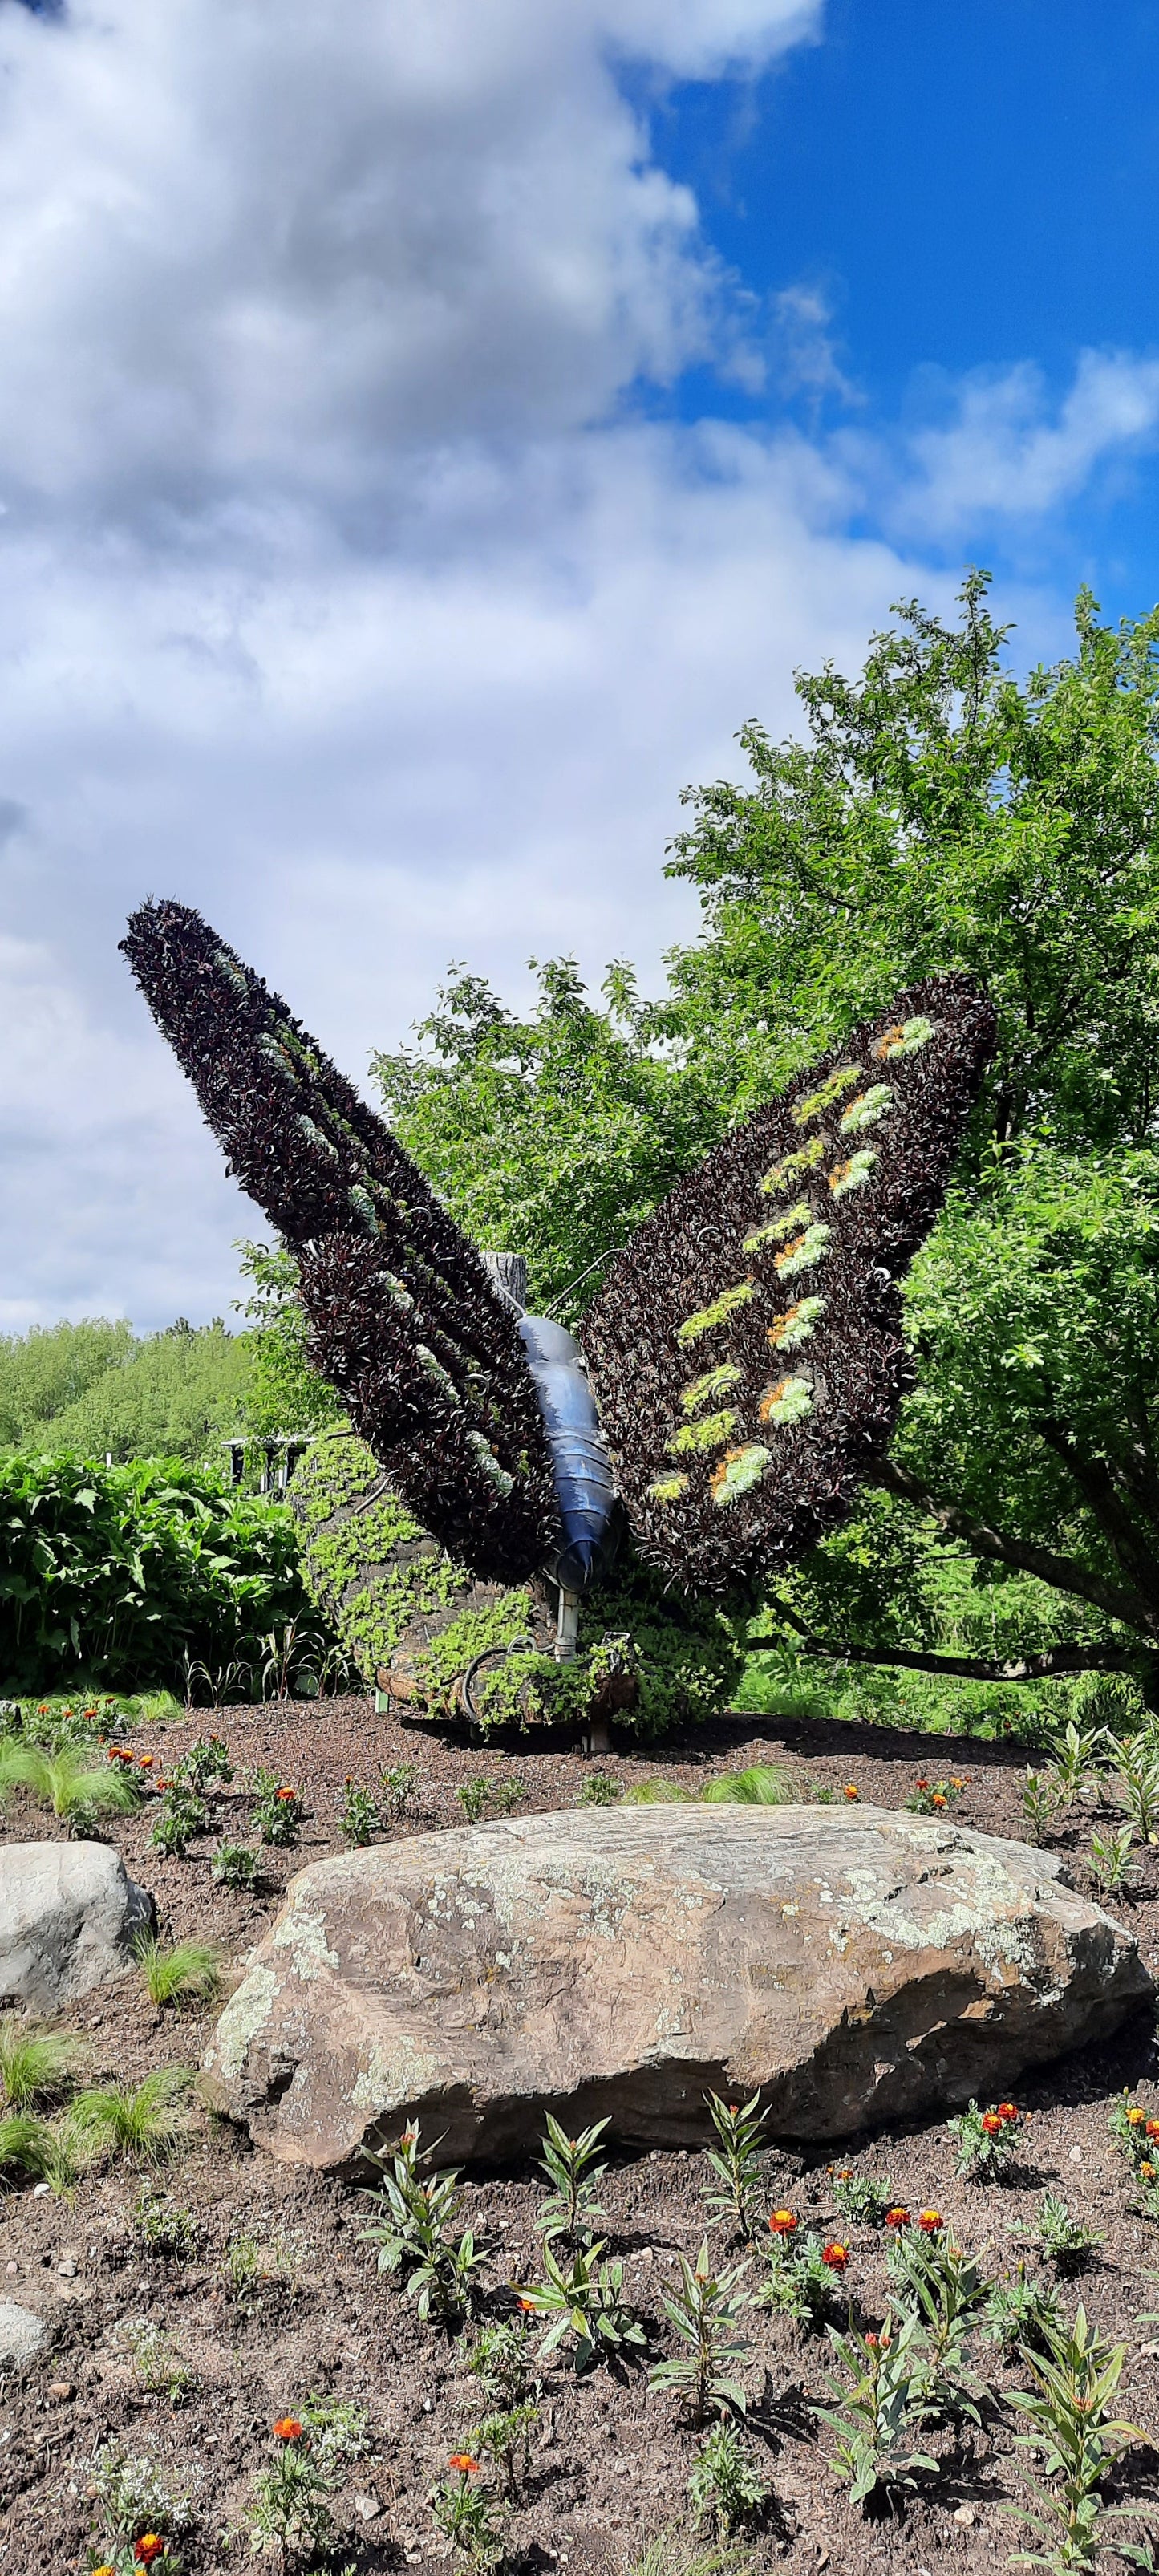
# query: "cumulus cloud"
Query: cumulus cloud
345,593
1002,455
236,242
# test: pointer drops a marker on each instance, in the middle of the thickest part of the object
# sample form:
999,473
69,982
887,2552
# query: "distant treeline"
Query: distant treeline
101,1390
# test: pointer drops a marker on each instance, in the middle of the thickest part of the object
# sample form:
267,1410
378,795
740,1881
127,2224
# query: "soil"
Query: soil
609,2464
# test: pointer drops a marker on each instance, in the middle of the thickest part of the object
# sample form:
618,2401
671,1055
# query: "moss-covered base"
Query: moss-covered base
398,1603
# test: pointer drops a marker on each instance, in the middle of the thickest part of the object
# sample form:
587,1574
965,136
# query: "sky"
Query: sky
430,428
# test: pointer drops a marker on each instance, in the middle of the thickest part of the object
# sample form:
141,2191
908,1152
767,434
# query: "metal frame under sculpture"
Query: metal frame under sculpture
738,1372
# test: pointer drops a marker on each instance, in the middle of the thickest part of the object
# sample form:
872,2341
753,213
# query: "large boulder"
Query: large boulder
858,1965
69,1914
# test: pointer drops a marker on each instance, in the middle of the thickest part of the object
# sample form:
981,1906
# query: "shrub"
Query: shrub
572,2205
878,2409
237,1865
1065,2241
121,1573
1076,2437
599,1789
987,2140
278,1810
181,1815
862,2200
586,2301
358,1816
441,2272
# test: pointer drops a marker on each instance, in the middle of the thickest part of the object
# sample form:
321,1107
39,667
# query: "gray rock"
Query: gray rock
22,2333
858,1965
68,1917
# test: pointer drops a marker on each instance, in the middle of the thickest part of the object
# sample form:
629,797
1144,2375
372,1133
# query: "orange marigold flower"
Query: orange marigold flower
929,2221
1008,2110
923,1783
992,2124
528,2307
1135,2114
836,2256
147,2548
146,1761
463,2462
288,2428
938,1800
1147,2170
874,2342
851,1791
286,1793
898,2217
1153,2128
783,2223
106,2570
958,1781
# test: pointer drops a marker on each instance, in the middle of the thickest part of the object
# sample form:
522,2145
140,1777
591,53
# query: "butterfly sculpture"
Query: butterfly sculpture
742,1365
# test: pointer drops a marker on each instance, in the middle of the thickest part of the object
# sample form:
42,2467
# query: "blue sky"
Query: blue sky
429,428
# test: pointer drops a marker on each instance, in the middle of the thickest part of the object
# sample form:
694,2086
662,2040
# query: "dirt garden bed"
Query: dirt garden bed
608,2463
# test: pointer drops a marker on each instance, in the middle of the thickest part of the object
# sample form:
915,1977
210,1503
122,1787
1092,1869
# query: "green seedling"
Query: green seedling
704,2311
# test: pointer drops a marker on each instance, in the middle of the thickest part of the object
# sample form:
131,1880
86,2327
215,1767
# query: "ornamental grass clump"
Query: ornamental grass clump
178,1972
38,2063
733,2191
704,2311
26,2147
67,1781
143,2123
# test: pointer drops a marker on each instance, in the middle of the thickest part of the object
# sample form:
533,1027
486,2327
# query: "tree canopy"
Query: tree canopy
95,1389
939,812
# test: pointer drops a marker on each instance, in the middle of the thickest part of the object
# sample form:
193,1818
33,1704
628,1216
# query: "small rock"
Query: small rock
66,2268
1076,2155
60,2388
41,2190
367,2508
966,2516
12,2267
22,2332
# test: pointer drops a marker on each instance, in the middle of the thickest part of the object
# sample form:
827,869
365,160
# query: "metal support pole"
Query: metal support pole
567,1631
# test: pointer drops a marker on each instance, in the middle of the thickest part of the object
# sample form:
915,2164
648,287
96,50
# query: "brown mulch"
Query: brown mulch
609,2464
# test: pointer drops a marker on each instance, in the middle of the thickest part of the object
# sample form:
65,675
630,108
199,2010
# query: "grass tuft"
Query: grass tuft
66,1780
37,2063
142,2124
178,1972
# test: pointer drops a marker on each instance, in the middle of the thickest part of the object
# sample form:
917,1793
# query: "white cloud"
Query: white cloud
237,242
340,592
1001,456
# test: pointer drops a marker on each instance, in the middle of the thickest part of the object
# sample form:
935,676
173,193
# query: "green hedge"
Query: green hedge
112,1576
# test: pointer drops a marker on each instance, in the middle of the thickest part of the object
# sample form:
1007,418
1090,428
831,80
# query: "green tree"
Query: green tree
49,1368
554,1135
172,1395
283,1392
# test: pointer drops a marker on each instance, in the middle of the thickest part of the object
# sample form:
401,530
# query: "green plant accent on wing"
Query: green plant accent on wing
718,1313
739,1472
868,1109
791,1169
694,1438
904,1038
835,1083
853,1174
706,1390
668,1489
798,1324
778,1227
809,1248
786,1403
496,1474
363,1206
